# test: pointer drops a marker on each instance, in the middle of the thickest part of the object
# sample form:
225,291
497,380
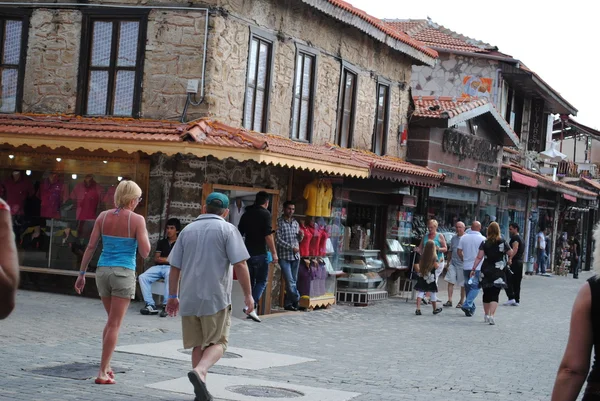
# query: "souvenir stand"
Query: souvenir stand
316,276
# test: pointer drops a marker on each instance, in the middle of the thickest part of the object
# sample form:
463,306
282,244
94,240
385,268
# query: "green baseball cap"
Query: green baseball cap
217,199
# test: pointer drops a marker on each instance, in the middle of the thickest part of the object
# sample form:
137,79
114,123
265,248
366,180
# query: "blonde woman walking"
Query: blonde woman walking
123,232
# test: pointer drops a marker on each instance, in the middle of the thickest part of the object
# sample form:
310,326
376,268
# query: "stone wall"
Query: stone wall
174,51
50,83
175,40
456,76
187,174
190,174
293,22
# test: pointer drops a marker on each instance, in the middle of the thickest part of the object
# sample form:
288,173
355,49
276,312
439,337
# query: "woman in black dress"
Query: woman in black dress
426,281
493,271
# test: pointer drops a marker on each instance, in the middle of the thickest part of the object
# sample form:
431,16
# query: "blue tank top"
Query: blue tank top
436,241
118,251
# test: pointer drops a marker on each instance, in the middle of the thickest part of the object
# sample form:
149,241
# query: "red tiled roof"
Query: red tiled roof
435,35
104,128
550,183
444,106
209,133
393,167
381,26
593,183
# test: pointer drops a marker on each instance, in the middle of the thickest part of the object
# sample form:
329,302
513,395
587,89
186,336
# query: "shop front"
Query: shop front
178,165
463,140
366,230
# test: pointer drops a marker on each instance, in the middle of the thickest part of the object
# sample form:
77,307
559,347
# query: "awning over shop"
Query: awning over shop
569,198
202,138
594,184
551,185
523,179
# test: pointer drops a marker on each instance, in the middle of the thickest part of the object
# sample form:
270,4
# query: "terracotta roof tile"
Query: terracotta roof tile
550,182
593,183
210,133
432,34
444,107
109,128
383,27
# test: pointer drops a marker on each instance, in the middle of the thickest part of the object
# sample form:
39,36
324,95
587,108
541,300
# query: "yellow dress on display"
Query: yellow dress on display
311,194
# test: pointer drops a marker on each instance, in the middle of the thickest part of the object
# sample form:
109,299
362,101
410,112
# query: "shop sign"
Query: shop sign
467,146
410,201
460,194
537,132
486,169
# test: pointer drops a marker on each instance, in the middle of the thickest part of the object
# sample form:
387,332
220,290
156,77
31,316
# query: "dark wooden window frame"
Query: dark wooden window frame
309,51
271,39
111,15
353,70
22,14
386,120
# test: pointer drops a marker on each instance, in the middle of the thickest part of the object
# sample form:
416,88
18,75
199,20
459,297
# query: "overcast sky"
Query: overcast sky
556,39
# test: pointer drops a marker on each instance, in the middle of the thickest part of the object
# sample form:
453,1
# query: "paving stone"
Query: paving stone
384,352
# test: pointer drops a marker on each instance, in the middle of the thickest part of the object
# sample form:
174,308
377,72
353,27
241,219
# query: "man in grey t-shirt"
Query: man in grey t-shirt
202,256
454,275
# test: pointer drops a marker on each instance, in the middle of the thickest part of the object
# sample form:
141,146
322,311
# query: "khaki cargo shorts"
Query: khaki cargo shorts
115,282
204,331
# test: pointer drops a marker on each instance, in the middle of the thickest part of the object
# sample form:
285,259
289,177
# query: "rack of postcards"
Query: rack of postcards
399,238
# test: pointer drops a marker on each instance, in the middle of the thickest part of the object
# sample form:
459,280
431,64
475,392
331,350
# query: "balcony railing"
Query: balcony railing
576,170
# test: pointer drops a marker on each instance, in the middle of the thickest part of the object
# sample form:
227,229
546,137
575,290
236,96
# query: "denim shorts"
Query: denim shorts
115,281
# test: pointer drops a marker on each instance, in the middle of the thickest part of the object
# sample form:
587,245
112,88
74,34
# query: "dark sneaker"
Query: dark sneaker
163,312
438,310
468,313
149,310
449,303
418,312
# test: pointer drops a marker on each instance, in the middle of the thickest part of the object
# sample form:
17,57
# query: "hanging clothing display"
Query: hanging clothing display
311,192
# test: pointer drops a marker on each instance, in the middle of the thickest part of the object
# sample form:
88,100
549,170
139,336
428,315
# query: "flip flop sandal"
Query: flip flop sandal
105,381
449,303
458,306
111,374
200,389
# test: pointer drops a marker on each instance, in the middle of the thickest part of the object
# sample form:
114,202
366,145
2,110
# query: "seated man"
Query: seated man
161,270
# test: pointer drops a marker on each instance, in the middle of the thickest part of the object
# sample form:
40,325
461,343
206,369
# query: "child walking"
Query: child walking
426,281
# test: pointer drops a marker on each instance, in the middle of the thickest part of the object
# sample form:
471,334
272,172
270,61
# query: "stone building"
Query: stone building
189,97
468,72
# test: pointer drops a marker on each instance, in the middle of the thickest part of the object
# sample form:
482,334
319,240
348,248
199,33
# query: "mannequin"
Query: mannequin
311,192
305,243
323,242
316,237
18,188
87,195
53,193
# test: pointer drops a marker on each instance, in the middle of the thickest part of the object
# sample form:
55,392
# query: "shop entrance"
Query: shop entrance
239,199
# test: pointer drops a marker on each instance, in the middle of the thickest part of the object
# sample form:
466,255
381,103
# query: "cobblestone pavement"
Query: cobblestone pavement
383,351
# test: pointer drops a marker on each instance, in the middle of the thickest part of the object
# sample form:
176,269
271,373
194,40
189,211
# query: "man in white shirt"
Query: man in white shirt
468,248
541,251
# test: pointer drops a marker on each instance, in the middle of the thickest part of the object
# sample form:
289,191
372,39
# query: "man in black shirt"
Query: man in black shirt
513,291
160,271
255,226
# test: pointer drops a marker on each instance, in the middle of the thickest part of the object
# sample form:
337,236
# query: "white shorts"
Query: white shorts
455,275
439,270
